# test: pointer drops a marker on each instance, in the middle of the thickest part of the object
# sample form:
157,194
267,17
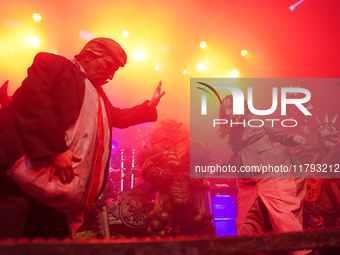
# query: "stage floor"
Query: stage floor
324,240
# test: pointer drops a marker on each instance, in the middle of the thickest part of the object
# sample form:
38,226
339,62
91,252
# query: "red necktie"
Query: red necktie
98,159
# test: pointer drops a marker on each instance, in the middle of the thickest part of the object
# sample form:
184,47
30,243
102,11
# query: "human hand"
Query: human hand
299,139
63,164
157,95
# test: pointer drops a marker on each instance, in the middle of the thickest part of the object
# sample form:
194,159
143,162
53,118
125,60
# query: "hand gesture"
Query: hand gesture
62,163
157,95
299,140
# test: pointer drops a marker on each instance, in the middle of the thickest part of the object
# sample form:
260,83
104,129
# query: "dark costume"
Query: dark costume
322,205
45,106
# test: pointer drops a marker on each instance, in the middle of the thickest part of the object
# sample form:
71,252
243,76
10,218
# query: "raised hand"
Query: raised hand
157,95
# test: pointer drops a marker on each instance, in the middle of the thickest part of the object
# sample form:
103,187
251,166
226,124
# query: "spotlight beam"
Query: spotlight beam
292,7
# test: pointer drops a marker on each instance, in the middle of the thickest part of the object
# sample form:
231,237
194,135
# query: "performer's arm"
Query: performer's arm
146,112
287,139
